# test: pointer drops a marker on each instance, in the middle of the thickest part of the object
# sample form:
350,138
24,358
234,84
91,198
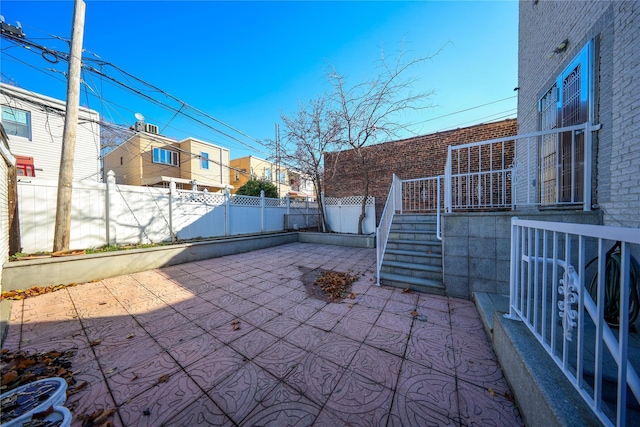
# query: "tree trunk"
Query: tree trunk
363,212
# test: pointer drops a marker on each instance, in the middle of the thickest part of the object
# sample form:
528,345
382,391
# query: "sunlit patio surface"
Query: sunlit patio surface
241,340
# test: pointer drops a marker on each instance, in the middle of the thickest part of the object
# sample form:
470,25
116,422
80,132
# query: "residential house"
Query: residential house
34,124
250,167
150,159
7,201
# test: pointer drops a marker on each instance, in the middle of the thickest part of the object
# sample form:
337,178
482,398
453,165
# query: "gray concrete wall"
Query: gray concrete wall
85,268
476,247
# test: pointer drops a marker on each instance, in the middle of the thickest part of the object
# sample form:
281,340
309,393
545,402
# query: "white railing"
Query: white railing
550,167
393,203
423,195
552,290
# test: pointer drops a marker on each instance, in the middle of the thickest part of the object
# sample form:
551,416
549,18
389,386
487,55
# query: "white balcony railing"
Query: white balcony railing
547,168
561,296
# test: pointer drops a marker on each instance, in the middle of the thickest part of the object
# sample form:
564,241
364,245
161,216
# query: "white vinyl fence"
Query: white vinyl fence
121,214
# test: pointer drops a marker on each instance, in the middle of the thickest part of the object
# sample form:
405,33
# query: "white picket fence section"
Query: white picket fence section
109,213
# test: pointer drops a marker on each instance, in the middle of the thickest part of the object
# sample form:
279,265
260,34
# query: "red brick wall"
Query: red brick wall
418,157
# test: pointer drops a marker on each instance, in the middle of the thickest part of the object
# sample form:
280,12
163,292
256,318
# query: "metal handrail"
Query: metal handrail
382,231
531,245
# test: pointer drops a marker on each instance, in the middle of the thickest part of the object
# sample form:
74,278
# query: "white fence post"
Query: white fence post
262,209
227,211
109,208
172,201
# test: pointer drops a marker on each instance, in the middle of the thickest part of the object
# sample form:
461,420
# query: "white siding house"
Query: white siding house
35,124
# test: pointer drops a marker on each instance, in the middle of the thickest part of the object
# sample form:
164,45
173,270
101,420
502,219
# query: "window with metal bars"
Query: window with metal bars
565,103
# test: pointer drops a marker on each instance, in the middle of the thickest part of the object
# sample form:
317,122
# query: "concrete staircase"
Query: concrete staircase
413,258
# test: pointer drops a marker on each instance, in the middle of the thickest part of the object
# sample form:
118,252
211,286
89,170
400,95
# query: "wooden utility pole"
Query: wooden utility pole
63,206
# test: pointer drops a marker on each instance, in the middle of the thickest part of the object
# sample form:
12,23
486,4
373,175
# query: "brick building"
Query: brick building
417,157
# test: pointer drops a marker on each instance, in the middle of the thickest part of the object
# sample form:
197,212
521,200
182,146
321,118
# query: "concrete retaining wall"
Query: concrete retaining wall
476,247
85,268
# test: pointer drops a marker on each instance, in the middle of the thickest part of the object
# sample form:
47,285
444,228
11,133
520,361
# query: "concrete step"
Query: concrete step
436,274
419,235
406,218
412,266
412,245
415,257
413,283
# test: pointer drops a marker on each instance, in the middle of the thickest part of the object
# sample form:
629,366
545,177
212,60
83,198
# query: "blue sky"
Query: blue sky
245,63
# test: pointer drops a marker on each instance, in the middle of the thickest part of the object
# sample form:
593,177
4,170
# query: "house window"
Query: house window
204,160
281,177
16,122
267,174
565,103
237,176
165,157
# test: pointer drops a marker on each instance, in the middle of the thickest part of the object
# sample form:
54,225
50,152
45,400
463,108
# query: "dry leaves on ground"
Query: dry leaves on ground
33,291
19,368
336,284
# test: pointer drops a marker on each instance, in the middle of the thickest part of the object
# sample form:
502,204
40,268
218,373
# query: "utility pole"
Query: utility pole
62,230
278,156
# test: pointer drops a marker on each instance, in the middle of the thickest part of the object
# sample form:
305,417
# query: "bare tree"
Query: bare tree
309,133
371,111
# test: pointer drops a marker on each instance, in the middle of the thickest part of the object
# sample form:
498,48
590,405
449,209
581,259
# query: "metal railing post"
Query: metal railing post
513,270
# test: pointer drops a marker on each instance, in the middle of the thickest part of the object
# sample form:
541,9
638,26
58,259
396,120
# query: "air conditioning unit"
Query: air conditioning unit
148,127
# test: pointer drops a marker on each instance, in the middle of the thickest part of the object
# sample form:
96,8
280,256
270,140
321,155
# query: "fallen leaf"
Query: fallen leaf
77,388
163,379
491,392
131,336
102,418
146,412
352,295
95,343
102,303
509,396
135,377
414,313
407,291
9,377
43,414
236,326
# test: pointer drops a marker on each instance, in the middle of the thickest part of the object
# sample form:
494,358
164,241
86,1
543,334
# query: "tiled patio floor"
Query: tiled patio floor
169,353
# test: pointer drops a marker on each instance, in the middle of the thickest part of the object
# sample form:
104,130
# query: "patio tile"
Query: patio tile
161,402
157,322
283,407
410,298
315,377
387,339
128,383
425,397
229,332
280,305
120,356
281,358
295,295
211,370
194,308
323,320
203,411
112,330
396,322
399,307
239,393
95,395
430,349
336,349
363,313
239,306
358,400
263,298
210,321
306,337
280,326
380,292
190,351
486,407
259,316
377,365
301,312
435,302
372,301
354,329
340,308
314,303
253,343
175,335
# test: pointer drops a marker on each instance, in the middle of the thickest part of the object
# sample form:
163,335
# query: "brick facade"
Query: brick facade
418,157
613,27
